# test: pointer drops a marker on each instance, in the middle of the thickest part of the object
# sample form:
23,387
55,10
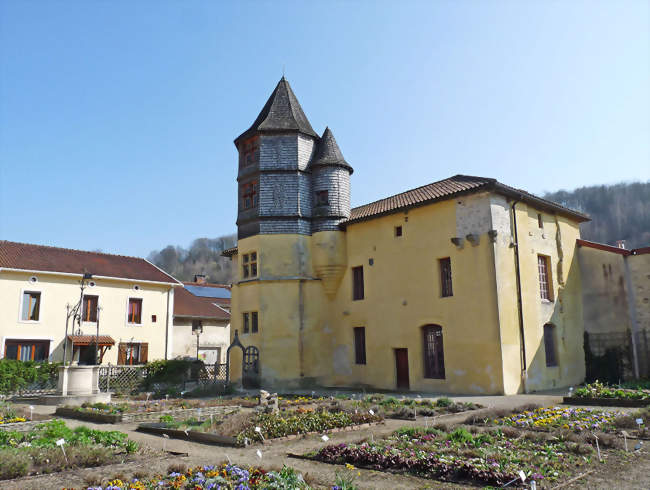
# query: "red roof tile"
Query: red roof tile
31,257
90,339
446,189
189,306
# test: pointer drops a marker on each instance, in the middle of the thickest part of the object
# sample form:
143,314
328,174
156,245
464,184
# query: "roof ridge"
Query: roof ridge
75,250
207,284
492,180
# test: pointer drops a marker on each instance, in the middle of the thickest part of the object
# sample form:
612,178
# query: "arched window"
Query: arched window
434,358
549,345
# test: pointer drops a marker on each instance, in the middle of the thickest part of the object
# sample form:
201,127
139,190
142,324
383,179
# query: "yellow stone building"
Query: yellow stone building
465,285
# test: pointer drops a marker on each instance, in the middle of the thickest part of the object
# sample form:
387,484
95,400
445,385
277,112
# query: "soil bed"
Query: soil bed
52,447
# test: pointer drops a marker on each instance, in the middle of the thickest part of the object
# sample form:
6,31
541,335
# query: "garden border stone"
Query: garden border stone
605,402
208,438
23,426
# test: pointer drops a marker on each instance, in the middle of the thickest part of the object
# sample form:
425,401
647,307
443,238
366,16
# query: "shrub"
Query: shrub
444,402
461,434
171,372
15,375
13,463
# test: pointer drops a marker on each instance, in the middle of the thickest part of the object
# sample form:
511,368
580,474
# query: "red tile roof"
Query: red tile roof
612,249
229,252
187,305
446,189
90,339
29,257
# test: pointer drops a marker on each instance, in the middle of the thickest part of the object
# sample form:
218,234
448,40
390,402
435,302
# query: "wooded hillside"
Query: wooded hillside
203,257
618,212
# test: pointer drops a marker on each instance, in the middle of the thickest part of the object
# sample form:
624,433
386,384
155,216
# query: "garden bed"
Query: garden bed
471,455
596,393
558,421
129,412
248,428
221,476
39,451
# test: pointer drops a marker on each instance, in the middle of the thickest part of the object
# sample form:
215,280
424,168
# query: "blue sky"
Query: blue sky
117,118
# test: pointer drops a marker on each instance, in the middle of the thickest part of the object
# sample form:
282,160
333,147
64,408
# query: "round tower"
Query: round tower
331,191
330,185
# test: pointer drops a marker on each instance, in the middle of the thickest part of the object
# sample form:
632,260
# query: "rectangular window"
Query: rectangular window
322,198
90,308
445,277
398,231
357,283
549,345
540,221
249,153
27,350
434,357
360,345
250,195
545,285
246,326
131,353
197,326
249,265
31,306
135,311
254,323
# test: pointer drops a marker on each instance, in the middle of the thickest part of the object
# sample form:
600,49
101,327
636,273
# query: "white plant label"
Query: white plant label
259,454
257,429
371,412
639,421
325,438
60,442
522,475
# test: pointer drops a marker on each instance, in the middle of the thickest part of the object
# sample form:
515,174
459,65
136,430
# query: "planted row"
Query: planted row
491,457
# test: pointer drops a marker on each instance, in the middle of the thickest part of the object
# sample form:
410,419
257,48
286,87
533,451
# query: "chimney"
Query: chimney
620,243
200,278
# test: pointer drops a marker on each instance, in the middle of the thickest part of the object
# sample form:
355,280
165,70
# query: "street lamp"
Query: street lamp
197,329
76,312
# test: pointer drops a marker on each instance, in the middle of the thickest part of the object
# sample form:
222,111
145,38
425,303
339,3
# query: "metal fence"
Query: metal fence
609,356
122,379
38,388
132,379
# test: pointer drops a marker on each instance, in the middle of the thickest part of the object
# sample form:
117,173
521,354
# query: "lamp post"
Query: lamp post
197,329
75,312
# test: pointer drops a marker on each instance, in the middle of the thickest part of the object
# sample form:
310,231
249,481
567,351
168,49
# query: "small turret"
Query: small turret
330,185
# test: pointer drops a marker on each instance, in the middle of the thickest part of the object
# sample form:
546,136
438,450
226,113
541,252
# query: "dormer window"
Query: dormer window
322,198
250,195
249,153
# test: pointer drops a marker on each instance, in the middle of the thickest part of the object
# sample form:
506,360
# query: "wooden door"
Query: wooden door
402,368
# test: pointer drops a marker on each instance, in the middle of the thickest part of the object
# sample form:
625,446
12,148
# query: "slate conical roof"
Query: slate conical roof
282,112
329,153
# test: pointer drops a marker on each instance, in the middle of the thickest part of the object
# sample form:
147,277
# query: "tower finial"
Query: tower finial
282,72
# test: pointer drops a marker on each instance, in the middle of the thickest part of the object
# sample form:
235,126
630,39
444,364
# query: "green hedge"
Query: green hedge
172,372
16,375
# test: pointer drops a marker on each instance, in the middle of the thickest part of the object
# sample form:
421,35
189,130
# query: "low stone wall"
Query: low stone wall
23,426
189,435
126,418
606,402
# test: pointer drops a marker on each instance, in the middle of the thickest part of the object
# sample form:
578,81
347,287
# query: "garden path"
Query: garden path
274,455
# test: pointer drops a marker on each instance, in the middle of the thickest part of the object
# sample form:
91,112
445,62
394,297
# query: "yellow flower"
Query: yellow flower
349,466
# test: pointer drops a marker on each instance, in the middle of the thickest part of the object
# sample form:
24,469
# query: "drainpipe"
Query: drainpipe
522,338
631,307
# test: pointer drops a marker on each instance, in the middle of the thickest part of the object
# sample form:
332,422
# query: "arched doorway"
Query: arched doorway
250,363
